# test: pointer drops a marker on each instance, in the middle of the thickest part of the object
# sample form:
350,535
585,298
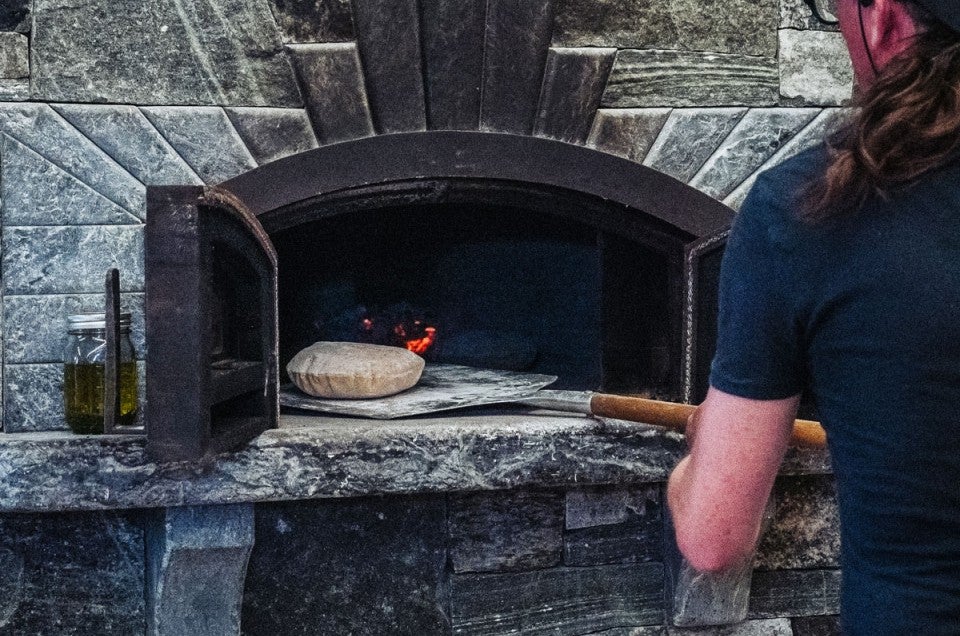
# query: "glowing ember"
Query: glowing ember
420,345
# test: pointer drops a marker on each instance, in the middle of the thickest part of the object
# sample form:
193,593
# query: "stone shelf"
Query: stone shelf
329,457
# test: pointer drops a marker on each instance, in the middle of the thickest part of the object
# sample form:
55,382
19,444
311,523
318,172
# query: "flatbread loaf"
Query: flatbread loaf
353,370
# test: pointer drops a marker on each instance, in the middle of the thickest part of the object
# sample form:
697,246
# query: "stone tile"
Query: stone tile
71,259
44,131
627,132
33,398
14,56
124,133
690,78
452,32
689,137
305,21
816,626
37,192
15,15
814,68
35,327
828,121
204,138
182,52
78,573
332,81
795,593
795,14
558,600
607,506
573,82
358,566
755,139
515,52
740,26
15,90
388,37
806,527
273,133
502,531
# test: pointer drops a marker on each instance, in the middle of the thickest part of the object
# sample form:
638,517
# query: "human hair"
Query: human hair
908,124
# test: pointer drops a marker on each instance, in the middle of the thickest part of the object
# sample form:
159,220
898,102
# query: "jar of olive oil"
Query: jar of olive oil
83,372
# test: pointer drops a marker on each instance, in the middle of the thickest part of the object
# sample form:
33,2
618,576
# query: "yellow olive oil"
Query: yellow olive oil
83,390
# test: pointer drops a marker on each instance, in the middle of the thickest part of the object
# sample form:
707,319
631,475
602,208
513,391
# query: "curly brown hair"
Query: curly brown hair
908,124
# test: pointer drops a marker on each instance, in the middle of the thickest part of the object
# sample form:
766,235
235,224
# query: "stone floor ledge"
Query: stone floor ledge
330,457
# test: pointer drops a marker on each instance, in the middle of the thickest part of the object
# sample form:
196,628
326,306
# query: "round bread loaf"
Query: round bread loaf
352,370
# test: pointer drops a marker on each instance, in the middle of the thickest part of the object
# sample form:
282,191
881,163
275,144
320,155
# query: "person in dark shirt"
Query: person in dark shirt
842,277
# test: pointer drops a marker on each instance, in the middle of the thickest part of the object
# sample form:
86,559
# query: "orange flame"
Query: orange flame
420,345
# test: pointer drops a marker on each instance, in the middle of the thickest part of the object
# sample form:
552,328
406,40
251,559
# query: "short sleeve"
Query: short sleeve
759,351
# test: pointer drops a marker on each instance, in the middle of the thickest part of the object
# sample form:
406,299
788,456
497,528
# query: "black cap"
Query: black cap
947,11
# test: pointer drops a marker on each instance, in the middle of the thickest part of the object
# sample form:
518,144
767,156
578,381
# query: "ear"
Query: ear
889,29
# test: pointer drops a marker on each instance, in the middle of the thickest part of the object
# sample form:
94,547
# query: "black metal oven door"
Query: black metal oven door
701,280
211,323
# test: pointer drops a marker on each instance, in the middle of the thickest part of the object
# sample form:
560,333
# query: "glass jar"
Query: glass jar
83,372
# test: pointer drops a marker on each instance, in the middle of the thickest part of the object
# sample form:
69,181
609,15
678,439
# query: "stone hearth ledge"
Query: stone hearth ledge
331,457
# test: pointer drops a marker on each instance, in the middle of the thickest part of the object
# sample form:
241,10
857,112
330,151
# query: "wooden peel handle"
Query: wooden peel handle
674,415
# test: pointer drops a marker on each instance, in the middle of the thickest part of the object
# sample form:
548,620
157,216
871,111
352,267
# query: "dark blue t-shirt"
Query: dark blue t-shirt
864,311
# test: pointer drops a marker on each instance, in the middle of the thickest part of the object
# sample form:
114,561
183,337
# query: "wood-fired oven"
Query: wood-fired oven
480,248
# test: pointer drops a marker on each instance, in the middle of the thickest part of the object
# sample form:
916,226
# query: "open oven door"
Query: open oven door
211,323
701,282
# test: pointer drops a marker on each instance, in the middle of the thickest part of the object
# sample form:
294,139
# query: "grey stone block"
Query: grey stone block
388,36
515,52
795,593
184,52
71,259
502,531
71,574
795,14
14,90
755,139
15,16
627,132
14,56
742,26
766,627
585,508
805,532
359,566
273,133
204,138
815,68
306,21
452,32
124,133
35,327
196,559
690,78
45,132
33,398
828,121
558,600
816,626
37,192
689,137
621,525
332,81
573,82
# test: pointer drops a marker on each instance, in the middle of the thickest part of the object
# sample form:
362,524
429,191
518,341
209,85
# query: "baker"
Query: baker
842,277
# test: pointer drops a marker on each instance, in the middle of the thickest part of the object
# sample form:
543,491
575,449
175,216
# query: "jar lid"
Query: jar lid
94,320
